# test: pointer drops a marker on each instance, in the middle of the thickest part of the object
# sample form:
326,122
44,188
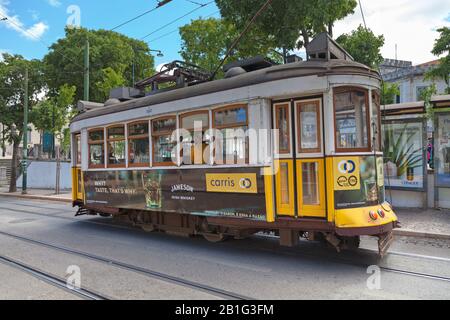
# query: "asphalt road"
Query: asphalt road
120,262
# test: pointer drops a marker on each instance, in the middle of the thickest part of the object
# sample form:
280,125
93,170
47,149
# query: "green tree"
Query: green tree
388,93
65,64
442,47
53,114
288,21
205,43
110,80
12,81
364,46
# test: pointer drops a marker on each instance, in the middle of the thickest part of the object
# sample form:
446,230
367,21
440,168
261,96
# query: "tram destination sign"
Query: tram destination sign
231,192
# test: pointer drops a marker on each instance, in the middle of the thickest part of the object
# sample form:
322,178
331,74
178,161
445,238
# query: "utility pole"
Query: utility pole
86,71
25,137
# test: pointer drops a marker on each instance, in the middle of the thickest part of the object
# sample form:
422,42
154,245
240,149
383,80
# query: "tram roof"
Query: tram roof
279,72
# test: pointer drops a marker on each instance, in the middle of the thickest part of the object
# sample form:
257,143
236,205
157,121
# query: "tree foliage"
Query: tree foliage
65,61
53,114
205,43
388,93
288,21
442,47
364,46
12,93
110,80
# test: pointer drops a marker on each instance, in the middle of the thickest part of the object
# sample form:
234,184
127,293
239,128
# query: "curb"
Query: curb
31,197
421,234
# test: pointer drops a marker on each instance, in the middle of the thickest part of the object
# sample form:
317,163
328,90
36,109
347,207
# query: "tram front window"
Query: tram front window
351,120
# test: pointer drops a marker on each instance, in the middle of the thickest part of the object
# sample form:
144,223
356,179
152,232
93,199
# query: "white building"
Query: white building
411,79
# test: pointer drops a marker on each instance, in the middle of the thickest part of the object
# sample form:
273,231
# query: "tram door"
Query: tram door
300,178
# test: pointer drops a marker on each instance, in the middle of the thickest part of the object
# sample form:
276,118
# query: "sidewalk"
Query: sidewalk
38,194
433,224
421,223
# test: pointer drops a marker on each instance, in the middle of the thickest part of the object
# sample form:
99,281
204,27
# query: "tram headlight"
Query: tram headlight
381,213
373,215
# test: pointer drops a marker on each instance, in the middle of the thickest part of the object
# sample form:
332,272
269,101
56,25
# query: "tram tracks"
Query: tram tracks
279,250
220,293
51,279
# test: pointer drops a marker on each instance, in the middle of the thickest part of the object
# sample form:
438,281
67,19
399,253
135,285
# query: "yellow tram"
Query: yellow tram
293,149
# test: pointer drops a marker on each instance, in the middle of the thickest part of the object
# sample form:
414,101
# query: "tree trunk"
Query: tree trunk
14,165
330,29
305,37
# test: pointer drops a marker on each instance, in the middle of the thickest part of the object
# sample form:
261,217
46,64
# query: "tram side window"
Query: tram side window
308,117
195,143
164,148
232,122
77,150
282,124
376,119
138,144
352,120
96,149
116,146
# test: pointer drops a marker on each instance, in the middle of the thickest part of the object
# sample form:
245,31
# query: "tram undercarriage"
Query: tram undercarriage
217,229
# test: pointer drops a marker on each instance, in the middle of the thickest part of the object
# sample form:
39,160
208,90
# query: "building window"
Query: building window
163,145
232,122
308,118
96,148
195,143
419,93
138,144
116,146
77,149
376,120
352,120
282,124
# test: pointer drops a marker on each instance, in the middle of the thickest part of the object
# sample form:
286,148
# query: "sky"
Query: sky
33,25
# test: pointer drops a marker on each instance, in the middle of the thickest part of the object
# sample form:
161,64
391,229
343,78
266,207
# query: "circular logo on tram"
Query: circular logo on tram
245,183
347,166
353,181
342,181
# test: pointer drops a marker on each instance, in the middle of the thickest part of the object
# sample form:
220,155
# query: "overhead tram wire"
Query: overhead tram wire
39,39
161,4
176,30
236,42
177,19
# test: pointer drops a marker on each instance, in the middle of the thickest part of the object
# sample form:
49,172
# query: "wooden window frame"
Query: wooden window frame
159,134
78,153
377,95
108,140
138,137
205,128
277,107
231,126
345,89
298,106
96,142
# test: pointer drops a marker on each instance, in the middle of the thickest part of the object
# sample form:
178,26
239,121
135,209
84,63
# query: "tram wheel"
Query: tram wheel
148,227
215,237
104,215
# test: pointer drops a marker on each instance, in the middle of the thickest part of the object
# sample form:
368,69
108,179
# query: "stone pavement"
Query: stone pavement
39,194
430,223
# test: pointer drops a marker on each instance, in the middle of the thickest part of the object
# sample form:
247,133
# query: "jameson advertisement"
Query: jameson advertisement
403,148
227,192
